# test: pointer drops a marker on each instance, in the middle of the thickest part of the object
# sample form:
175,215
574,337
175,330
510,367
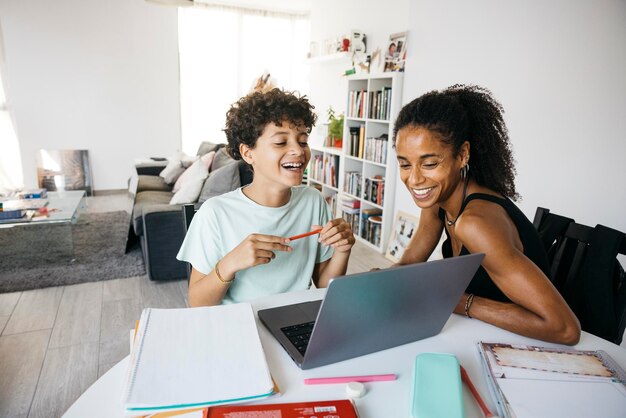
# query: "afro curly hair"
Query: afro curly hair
247,118
468,113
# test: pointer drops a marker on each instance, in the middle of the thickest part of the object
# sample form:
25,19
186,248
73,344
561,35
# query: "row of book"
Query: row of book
375,149
371,148
325,169
374,190
352,182
370,104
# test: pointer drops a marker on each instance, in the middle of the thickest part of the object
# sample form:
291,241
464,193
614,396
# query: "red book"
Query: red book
337,409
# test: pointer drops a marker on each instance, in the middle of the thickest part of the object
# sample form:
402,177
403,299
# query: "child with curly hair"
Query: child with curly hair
437,137
237,242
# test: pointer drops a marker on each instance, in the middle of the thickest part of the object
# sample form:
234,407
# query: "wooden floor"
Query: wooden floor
55,342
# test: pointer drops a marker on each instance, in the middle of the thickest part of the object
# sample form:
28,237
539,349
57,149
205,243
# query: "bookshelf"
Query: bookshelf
366,165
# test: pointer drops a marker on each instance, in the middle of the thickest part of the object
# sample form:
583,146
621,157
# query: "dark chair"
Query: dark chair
585,270
188,211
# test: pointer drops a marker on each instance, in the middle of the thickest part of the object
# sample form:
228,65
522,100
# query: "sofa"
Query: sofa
158,225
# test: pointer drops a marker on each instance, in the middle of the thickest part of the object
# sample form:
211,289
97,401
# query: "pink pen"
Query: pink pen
348,379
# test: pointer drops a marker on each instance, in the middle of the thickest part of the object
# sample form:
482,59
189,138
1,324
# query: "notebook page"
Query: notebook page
198,356
571,399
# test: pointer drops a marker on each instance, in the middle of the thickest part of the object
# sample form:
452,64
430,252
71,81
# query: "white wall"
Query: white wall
559,70
331,19
93,74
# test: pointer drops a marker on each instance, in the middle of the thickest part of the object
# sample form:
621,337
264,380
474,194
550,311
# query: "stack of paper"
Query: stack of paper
529,381
194,357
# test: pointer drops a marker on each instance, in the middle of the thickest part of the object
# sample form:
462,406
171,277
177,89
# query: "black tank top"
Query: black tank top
481,284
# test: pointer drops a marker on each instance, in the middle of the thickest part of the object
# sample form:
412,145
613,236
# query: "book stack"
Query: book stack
11,214
349,205
33,194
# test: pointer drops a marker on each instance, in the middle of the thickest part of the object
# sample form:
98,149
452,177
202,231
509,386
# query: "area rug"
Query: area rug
99,241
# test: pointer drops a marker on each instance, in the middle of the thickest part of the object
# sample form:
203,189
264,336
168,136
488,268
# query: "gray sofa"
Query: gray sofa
158,226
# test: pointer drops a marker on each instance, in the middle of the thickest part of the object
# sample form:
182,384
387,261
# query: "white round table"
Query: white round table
383,399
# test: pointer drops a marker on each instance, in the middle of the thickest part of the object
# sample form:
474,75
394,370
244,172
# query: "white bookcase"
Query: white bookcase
364,161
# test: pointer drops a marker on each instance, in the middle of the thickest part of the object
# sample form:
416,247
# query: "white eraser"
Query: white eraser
355,389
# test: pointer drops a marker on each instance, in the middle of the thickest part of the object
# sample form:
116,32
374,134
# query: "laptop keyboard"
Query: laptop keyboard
299,335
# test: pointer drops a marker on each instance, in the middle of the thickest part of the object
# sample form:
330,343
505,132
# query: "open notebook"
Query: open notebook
193,357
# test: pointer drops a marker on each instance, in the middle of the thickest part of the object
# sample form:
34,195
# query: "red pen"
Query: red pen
465,378
306,234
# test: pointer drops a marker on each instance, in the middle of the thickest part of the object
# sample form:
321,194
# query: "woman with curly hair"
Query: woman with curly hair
456,161
237,242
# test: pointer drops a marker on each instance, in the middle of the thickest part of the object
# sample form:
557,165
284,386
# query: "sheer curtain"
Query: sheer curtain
222,53
11,176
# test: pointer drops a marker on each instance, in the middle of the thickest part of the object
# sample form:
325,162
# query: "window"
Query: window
222,53
11,176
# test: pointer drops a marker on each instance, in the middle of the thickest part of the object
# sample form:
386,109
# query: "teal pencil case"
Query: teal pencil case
437,388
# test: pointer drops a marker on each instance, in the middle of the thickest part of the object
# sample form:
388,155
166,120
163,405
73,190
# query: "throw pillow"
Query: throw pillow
176,166
204,161
221,159
222,180
192,181
206,147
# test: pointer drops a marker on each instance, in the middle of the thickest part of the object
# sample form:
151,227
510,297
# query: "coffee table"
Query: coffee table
48,237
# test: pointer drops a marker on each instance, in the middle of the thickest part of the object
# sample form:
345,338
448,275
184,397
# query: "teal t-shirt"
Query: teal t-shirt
224,221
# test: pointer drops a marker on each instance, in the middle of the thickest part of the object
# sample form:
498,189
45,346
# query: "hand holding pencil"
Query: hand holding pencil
337,233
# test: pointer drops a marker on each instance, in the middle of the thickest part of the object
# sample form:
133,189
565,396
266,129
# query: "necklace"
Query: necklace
452,222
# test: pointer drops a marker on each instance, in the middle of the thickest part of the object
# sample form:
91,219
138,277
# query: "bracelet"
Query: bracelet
468,304
219,276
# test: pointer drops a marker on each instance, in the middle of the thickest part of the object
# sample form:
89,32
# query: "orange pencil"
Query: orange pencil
316,231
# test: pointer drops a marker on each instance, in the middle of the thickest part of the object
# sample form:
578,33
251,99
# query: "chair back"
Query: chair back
585,270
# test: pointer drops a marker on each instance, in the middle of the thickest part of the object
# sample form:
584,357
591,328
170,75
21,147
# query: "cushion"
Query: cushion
205,161
145,200
152,183
176,166
222,180
221,159
191,185
206,147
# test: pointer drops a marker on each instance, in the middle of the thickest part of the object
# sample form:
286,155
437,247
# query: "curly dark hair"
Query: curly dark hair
246,119
468,113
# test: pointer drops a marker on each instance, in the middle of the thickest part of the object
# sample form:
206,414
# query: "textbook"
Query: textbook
196,357
531,381
342,408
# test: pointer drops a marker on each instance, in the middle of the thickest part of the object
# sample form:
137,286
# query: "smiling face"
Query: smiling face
428,167
279,156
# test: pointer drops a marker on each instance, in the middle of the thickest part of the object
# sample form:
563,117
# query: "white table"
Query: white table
383,399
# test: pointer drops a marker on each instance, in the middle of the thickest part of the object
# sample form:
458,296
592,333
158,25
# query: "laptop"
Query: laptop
372,311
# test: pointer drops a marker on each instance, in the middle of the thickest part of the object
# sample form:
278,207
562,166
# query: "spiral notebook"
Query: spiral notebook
184,358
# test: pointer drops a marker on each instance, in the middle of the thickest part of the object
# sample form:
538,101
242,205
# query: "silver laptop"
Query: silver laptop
368,312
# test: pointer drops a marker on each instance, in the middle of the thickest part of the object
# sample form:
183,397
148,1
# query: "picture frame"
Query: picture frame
395,53
404,227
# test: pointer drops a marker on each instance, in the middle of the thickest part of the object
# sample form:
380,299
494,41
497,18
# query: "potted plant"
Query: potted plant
335,128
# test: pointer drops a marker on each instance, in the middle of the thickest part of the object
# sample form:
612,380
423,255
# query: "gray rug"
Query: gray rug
99,241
